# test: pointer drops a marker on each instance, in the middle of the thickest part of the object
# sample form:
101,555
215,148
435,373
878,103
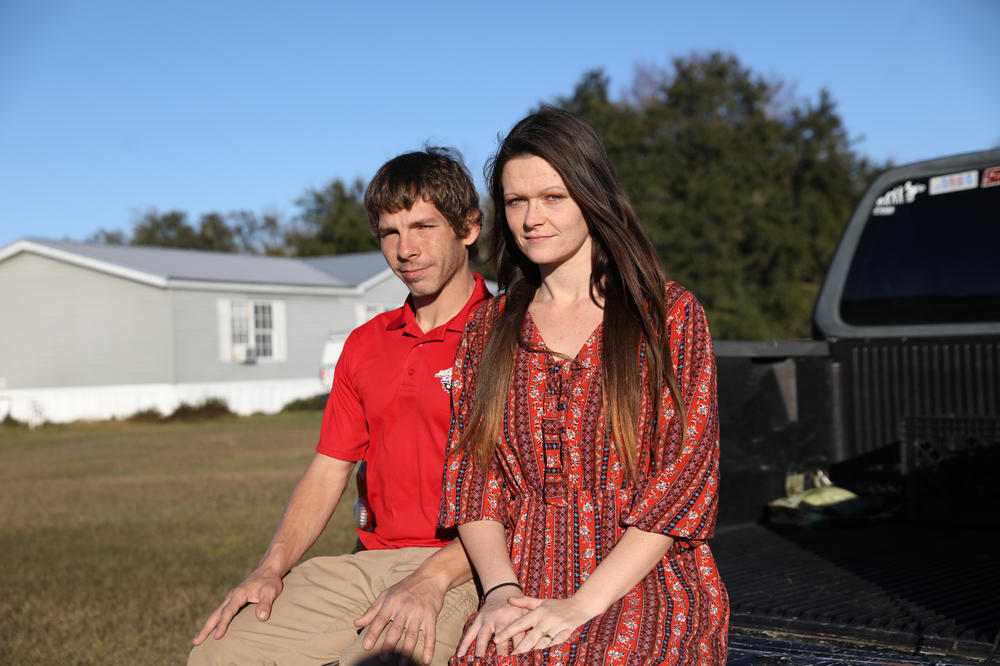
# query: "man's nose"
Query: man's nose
408,246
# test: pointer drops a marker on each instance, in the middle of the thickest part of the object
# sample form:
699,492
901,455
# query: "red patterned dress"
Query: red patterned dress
558,487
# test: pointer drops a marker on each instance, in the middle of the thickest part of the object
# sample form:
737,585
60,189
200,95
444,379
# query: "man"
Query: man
389,407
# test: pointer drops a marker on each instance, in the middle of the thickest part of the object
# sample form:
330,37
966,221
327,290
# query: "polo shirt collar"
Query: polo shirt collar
407,319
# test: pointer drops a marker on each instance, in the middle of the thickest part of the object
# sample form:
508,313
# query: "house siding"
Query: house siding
65,325
308,320
84,337
389,291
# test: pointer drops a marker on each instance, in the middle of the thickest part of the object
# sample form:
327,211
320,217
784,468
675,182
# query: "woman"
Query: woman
583,458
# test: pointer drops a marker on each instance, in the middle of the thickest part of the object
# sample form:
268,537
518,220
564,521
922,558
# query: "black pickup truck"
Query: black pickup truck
895,399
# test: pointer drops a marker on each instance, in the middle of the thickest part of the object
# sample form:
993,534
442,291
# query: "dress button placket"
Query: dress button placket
552,428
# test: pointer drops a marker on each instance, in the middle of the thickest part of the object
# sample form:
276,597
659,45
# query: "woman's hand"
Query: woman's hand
495,615
546,622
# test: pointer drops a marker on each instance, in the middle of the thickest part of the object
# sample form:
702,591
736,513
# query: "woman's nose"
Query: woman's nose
532,216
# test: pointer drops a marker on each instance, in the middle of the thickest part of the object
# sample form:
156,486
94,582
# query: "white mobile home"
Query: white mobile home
99,331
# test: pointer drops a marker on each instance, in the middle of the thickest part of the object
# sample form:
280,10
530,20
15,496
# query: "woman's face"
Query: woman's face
547,225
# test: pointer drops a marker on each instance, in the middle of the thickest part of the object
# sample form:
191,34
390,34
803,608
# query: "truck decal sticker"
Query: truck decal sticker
897,196
991,177
901,194
954,182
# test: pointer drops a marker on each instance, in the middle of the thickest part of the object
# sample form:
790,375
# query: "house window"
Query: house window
263,330
251,331
240,323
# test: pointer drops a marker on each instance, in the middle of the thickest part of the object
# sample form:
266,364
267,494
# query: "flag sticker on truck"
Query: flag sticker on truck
991,177
954,182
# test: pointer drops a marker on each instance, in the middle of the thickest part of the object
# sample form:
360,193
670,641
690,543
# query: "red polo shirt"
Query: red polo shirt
390,406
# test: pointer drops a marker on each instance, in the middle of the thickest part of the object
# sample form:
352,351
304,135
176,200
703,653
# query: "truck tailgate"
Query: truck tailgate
888,588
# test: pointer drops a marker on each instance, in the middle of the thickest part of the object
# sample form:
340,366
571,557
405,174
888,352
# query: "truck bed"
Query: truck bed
871,594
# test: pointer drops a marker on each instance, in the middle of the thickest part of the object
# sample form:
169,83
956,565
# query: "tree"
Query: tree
254,234
332,221
215,234
239,231
107,237
171,229
743,191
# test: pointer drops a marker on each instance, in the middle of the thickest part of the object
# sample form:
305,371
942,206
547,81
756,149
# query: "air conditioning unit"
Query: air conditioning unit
243,353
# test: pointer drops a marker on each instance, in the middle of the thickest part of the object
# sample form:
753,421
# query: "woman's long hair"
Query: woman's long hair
626,273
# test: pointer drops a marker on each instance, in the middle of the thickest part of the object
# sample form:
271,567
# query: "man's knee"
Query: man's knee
460,603
213,653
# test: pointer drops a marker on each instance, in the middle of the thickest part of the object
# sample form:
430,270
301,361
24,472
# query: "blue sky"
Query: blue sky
110,107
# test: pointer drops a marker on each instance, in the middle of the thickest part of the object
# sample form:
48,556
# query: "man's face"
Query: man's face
422,249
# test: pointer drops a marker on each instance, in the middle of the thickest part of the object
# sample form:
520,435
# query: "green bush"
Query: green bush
315,403
12,422
210,408
151,415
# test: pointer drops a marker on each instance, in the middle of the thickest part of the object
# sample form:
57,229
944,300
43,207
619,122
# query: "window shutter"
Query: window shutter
278,334
223,309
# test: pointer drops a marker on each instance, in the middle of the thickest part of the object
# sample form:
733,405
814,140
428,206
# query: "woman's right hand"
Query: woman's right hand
494,615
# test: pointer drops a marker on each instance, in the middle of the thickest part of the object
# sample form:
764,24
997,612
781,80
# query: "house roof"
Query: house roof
355,268
161,266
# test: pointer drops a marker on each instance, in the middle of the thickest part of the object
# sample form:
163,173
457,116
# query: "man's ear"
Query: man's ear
474,221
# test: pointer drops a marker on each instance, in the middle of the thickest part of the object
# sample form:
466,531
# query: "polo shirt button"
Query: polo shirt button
411,371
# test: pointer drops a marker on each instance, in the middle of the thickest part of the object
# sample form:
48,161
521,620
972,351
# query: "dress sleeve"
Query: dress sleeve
469,493
679,498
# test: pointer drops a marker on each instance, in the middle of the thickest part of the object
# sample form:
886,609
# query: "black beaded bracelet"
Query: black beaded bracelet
497,587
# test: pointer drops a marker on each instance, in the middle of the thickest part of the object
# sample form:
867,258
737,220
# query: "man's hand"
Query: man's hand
404,610
260,587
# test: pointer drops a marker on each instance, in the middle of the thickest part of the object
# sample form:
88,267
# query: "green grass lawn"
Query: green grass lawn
118,539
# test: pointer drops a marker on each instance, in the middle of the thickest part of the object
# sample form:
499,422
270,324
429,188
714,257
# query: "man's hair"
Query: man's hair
434,174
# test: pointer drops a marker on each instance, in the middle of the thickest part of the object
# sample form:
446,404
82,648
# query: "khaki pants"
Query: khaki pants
312,620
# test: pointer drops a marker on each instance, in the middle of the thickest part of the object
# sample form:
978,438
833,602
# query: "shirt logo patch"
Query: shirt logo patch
445,377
